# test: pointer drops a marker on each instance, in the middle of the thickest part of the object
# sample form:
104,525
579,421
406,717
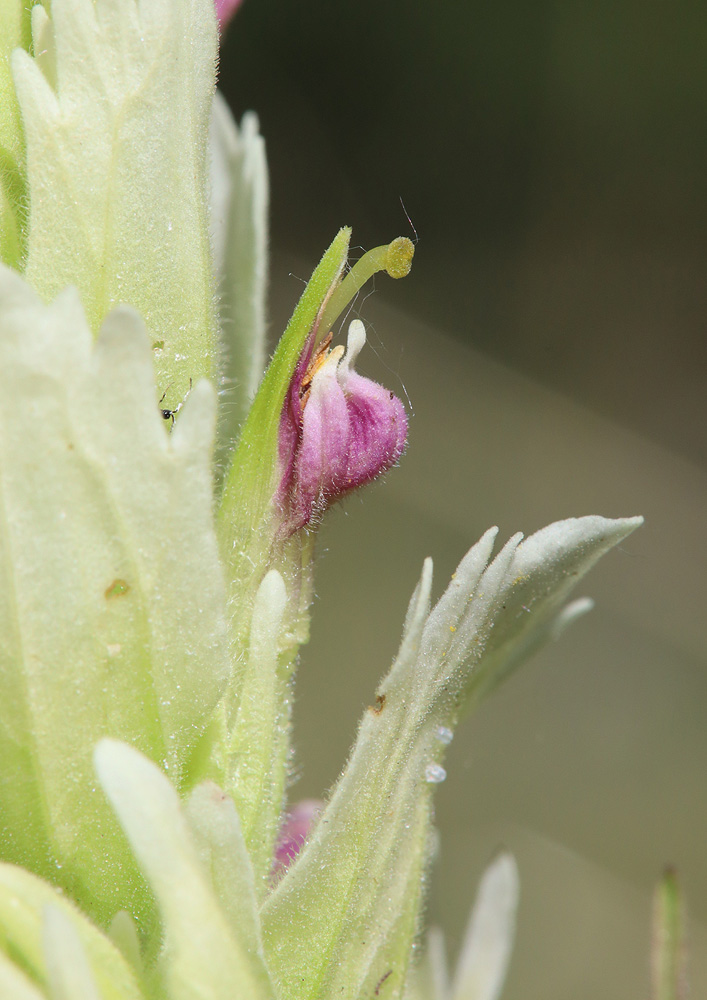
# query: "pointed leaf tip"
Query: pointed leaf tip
200,946
488,940
68,970
362,867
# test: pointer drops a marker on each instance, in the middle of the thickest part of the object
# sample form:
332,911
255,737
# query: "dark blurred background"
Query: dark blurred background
552,157
550,342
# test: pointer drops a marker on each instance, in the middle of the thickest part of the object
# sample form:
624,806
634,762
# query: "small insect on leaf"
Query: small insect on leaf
167,413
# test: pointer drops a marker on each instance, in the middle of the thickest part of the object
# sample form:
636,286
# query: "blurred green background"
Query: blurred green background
550,343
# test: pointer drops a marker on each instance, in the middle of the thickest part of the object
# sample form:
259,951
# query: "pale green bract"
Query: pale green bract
116,107
485,950
36,922
239,208
149,626
14,31
363,865
112,599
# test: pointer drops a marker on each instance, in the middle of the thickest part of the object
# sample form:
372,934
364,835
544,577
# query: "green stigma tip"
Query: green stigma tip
398,258
395,259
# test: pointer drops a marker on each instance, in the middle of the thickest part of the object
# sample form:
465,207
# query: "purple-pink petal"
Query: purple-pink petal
338,431
378,429
225,9
295,830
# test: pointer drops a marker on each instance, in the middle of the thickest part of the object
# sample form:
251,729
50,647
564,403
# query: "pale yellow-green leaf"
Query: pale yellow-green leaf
201,957
239,222
216,831
24,901
253,756
112,603
68,972
488,939
116,171
14,32
15,984
343,919
11,194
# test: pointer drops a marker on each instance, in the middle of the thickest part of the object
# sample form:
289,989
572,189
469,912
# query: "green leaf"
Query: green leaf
112,602
343,919
253,752
669,951
246,751
116,169
40,931
239,220
14,32
217,835
204,955
246,517
12,195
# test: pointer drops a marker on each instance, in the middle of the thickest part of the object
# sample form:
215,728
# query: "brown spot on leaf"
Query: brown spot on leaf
117,588
379,705
381,981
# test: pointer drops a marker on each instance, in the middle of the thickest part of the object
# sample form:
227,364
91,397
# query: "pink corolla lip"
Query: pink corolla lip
225,9
338,430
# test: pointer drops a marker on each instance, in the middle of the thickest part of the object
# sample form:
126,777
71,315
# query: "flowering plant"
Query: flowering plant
151,614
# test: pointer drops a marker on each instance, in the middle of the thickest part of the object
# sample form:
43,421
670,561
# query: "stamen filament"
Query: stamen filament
395,258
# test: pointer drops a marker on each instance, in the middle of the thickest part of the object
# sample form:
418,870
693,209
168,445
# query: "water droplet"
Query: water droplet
444,735
435,774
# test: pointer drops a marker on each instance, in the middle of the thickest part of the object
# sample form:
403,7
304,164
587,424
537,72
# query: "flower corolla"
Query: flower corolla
338,430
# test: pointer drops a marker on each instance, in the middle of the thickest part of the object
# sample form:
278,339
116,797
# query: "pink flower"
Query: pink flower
225,9
297,826
338,430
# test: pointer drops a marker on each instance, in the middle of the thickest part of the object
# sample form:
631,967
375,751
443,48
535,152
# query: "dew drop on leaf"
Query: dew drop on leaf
435,774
